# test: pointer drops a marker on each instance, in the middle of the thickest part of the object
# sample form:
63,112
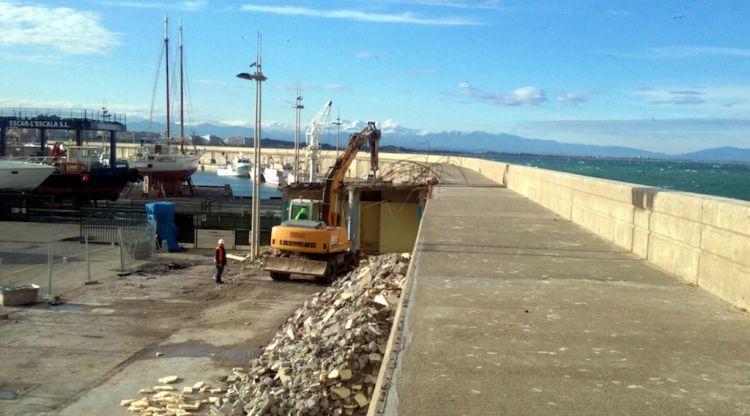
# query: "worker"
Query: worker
220,260
302,214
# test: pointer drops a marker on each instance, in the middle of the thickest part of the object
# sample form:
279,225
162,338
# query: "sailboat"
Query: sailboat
165,167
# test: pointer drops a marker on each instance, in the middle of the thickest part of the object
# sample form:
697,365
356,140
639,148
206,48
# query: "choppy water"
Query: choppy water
719,179
240,186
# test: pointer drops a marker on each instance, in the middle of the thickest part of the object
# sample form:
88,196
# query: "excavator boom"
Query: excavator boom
369,135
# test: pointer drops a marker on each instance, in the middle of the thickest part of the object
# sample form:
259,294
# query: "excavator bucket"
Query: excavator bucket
296,265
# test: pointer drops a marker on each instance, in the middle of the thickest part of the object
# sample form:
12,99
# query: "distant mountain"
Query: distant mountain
203,129
478,141
454,141
718,154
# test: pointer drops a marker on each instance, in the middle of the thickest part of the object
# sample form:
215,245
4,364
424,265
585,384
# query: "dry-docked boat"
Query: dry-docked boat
165,167
22,175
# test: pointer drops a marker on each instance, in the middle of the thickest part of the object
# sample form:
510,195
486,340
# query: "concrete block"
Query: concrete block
728,214
640,242
341,392
677,204
676,228
725,279
606,227
361,399
642,218
616,191
727,245
677,258
612,208
168,379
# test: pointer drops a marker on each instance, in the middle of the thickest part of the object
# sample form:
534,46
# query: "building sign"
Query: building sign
105,125
39,124
61,124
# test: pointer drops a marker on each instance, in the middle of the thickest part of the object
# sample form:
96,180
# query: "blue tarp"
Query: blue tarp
166,229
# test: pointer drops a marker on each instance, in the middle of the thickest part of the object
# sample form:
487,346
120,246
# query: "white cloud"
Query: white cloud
524,95
365,55
573,98
461,4
684,52
62,29
707,96
187,6
404,18
310,87
519,96
193,6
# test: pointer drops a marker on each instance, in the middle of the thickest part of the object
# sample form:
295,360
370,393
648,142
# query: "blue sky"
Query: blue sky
668,76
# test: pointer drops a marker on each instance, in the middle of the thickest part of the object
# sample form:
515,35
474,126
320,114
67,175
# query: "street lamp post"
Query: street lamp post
298,107
427,142
258,77
337,123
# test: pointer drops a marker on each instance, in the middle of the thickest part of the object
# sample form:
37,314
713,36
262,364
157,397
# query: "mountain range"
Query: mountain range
455,141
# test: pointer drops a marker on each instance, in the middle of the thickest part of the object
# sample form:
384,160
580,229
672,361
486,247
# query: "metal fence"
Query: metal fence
101,225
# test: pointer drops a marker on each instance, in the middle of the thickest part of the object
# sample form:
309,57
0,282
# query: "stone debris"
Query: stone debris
325,359
170,401
168,379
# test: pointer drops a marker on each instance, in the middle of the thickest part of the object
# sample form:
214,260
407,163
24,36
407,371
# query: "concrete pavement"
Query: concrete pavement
516,311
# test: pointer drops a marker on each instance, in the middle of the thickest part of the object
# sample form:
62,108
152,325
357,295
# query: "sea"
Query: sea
241,187
730,180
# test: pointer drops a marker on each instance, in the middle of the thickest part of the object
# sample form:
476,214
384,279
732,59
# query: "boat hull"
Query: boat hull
275,176
166,182
97,184
166,173
22,176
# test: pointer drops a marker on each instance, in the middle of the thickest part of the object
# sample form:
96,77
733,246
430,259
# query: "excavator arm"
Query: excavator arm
369,135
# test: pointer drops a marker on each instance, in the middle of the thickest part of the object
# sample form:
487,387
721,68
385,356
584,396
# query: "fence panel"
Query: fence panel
101,224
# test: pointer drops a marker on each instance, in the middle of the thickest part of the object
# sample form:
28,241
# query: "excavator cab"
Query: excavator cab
304,209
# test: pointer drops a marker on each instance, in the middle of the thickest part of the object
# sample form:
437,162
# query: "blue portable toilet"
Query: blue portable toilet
166,229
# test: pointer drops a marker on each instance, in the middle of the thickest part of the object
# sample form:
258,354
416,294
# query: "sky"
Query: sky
666,76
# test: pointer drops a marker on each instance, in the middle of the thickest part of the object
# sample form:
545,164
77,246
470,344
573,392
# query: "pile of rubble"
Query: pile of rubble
325,359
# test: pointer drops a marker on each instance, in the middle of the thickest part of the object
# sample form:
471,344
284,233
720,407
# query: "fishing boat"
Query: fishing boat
277,173
241,166
166,167
22,175
83,173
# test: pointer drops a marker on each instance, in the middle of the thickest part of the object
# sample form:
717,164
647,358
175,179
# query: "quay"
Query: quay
530,292
514,309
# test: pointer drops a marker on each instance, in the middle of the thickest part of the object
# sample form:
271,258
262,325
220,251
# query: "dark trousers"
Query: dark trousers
219,271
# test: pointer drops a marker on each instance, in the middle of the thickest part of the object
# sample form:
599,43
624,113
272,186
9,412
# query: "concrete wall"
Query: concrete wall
399,224
701,239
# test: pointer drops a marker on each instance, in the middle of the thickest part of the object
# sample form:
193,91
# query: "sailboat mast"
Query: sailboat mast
182,107
166,60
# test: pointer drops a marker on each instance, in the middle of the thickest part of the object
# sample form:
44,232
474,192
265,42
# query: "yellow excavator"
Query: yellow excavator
311,242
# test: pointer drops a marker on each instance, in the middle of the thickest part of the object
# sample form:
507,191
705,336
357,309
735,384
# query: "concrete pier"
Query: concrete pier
514,310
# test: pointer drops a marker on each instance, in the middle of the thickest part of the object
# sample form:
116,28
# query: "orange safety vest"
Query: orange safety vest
221,254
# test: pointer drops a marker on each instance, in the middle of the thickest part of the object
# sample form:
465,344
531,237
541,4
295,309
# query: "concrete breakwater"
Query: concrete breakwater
701,239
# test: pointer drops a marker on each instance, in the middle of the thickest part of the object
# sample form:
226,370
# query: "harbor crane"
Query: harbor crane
314,130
